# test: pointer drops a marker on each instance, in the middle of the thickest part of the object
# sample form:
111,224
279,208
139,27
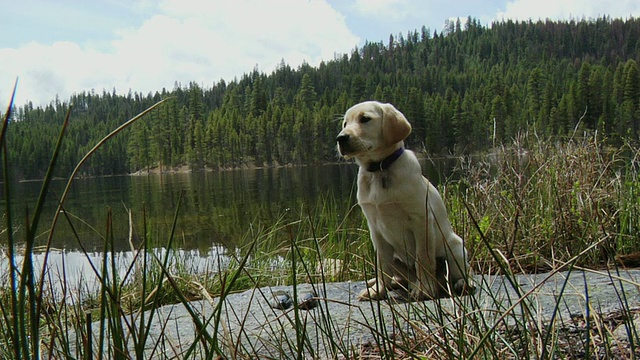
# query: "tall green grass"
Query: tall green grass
35,321
533,205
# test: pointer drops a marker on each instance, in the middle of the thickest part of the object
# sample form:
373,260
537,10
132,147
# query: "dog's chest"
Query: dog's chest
388,195
374,188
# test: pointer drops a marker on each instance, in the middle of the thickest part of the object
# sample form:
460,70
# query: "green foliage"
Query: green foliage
464,90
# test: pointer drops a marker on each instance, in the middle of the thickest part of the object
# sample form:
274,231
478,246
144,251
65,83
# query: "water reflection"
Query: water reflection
74,272
215,209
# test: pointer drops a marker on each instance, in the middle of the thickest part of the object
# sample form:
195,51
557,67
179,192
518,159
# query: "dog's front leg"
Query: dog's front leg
425,286
377,287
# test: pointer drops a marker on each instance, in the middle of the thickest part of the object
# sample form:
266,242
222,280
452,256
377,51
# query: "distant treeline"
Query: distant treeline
465,89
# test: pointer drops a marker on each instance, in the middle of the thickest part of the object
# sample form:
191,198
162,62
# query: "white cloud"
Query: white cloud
186,40
386,10
568,9
46,70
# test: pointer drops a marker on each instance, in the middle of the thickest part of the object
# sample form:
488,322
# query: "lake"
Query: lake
217,209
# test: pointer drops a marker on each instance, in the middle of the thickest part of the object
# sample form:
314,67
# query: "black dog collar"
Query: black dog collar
384,164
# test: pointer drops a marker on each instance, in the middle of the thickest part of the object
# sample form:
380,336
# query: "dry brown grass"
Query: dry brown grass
540,203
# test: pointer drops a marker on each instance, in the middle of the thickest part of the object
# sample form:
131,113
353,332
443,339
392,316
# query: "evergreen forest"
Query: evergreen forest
465,89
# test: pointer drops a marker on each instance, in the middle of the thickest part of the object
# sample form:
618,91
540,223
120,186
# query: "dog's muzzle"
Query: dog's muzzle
343,144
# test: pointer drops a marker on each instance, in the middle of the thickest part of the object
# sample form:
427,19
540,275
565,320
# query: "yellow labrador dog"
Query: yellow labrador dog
407,219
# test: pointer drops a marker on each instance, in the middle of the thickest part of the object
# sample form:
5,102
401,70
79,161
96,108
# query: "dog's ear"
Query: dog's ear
395,126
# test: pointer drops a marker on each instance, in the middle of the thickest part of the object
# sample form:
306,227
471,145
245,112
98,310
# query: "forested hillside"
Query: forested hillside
464,89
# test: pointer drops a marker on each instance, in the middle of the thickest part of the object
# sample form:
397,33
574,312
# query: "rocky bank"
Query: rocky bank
248,327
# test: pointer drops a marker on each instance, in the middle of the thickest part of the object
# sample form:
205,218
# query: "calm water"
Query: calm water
216,212
216,208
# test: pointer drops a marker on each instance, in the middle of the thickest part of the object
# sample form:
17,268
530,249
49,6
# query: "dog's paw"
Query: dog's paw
423,290
372,293
419,294
461,287
398,283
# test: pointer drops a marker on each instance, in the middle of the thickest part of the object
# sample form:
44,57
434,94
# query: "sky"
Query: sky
55,48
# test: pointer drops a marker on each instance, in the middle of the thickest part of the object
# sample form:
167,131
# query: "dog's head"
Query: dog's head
371,130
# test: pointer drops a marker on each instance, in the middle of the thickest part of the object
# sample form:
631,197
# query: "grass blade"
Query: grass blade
13,270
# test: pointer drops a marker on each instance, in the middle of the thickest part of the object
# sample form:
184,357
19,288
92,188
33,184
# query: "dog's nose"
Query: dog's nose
342,138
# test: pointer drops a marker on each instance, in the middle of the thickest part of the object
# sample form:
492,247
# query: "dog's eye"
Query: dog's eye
365,119
344,124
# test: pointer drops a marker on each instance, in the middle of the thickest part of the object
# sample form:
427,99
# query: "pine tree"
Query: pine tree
535,93
583,100
306,96
358,88
632,83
